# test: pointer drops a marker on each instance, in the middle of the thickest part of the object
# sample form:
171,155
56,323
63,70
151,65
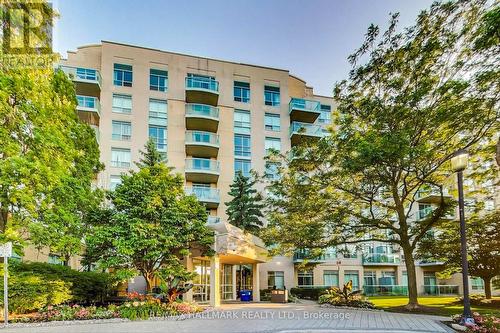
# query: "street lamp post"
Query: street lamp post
458,163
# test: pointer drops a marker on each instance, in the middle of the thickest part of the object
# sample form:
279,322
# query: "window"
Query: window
242,121
122,75
424,211
325,117
86,101
157,112
272,172
272,144
86,74
272,122
55,259
404,278
387,279
306,278
331,278
120,157
159,136
489,205
122,103
114,181
352,276
158,80
243,166
477,283
430,279
276,280
370,278
242,145
272,95
122,130
242,92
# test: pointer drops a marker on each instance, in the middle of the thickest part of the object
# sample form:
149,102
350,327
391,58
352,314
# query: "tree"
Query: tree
151,223
483,247
245,209
412,99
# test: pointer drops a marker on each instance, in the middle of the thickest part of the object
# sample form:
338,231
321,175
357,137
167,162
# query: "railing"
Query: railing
440,289
202,110
202,164
381,258
305,128
213,220
89,102
198,83
385,290
304,254
82,74
304,105
202,137
431,192
204,194
427,211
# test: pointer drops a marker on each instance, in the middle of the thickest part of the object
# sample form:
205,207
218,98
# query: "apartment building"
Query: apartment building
211,118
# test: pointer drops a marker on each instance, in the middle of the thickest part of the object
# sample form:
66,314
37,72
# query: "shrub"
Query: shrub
345,297
75,312
483,323
31,292
311,293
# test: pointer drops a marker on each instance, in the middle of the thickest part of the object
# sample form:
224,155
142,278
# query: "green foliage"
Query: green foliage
412,99
174,279
312,293
151,223
245,209
345,297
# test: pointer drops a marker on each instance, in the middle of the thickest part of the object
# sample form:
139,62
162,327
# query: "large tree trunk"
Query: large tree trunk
149,277
4,215
487,287
412,279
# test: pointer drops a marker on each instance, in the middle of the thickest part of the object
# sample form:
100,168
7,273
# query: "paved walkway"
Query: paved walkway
264,317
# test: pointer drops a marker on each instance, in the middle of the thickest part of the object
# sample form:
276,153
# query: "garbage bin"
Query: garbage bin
279,296
245,295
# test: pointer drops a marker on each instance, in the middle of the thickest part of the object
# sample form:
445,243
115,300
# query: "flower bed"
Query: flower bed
484,323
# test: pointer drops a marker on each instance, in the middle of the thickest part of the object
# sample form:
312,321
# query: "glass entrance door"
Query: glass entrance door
243,278
201,282
226,282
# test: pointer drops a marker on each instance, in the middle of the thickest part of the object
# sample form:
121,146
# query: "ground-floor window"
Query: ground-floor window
370,278
226,282
404,279
305,278
388,278
276,279
331,278
477,283
201,282
352,276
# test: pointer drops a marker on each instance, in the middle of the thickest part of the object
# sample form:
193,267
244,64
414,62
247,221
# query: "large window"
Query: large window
305,278
242,145
55,259
352,276
325,117
158,80
242,121
275,280
272,122
477,283
114,181
272,95
122,130
122,103
159,136
370,278
243,166
272,144
242,92
388,278
122,75
120,157
331,278
272,172
157,112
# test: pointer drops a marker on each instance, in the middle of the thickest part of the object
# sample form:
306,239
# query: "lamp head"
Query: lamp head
460,160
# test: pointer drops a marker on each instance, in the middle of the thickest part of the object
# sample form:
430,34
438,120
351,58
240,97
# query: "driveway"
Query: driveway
263,317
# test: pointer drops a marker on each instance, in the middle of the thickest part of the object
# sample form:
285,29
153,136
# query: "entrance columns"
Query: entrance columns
215,280
233,281
255,282
189,266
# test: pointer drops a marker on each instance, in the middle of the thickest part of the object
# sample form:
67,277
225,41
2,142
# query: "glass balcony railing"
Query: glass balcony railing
201,137
304,254
212,220
202,83
204,194
304,105
202,110
89,103
440,290
202,165
305,129
381,258
385,290
82,74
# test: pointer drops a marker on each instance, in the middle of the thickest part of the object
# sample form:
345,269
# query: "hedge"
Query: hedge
311,293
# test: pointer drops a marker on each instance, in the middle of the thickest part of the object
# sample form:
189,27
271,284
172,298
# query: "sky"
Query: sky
310,38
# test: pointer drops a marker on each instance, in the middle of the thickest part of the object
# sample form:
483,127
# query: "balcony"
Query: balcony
206,195
385,290
89,109
215,222
427,212
87,80
202,144
432,196
304,131
203,90
381,259
202,117
440,290
304,110
202,170
304,254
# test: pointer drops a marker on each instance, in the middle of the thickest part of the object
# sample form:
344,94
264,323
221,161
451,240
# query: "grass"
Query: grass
443,306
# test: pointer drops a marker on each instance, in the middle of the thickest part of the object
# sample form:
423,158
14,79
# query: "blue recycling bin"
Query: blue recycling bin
245,295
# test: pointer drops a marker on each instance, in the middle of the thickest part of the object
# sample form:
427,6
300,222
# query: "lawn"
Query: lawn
444,306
